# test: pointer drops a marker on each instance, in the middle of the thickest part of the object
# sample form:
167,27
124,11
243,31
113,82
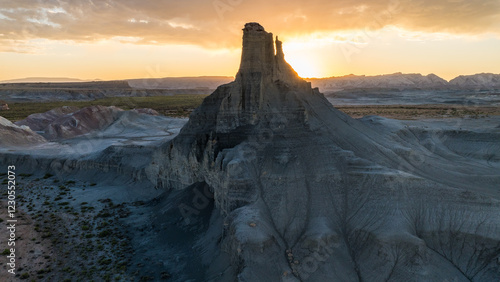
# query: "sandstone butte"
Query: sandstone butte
303,192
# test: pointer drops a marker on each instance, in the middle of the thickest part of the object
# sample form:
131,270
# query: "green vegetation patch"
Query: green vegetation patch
175,106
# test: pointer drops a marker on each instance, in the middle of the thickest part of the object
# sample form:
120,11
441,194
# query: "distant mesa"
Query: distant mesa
57,89
43,80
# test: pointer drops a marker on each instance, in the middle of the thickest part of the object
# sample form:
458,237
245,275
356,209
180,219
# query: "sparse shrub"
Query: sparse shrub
104,261
47,175
107,277
66,269
46,235
44,270
103,214
102,225
104,233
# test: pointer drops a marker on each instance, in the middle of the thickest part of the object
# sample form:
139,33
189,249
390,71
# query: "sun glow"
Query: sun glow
302,54
306,64
304,67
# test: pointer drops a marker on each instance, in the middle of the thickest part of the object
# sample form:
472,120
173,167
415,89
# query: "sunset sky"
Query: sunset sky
92,39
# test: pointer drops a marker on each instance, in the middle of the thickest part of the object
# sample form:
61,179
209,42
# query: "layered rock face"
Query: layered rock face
39,121
305,193
12,135
69,122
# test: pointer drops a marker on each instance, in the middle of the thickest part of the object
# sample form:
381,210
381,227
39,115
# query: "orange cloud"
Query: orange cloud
215,24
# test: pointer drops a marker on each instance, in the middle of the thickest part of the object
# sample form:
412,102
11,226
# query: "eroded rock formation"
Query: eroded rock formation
39,121
69,122
303,192
80,122
12,135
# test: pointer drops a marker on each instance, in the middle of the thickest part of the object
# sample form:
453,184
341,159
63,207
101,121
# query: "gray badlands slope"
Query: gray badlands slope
267,181
77,132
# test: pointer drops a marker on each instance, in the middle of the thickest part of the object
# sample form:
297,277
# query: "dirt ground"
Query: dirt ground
62,238
34,252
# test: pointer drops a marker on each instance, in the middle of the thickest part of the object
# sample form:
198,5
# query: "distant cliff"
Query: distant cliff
400,81
23,92
18,92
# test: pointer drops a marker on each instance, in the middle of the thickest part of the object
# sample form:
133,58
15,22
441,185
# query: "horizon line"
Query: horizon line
76,80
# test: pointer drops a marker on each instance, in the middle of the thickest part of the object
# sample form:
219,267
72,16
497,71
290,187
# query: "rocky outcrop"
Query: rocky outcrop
4,106
12,135
81,122
307,193
146,111
68,122
39,121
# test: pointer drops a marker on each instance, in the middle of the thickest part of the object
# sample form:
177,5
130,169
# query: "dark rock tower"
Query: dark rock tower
303,192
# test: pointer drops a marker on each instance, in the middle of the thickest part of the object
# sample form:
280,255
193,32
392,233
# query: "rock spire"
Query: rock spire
294,179
260,60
